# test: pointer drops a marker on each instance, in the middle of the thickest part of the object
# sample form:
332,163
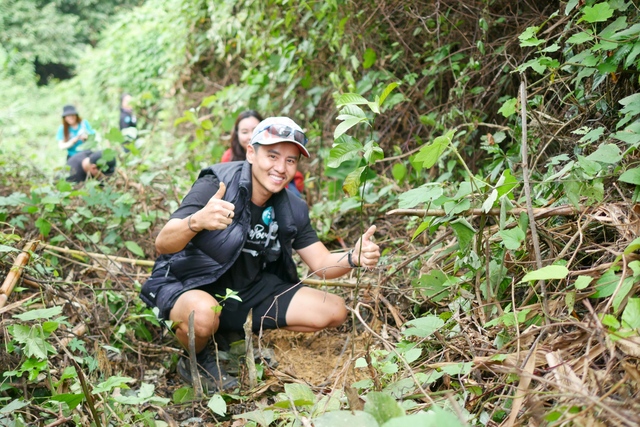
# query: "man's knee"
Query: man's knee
205,319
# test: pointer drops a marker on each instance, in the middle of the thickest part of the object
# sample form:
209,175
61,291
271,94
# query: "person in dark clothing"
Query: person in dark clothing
237,229
87,164
128,121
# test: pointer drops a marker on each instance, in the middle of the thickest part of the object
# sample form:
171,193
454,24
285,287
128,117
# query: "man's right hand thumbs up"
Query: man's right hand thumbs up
216,215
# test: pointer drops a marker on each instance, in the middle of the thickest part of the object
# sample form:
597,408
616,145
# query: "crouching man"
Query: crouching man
236,229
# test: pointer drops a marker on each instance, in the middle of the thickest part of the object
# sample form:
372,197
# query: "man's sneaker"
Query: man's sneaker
231,351
212,377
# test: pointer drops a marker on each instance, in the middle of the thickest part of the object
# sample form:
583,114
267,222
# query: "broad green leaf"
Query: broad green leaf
349,111
582,282
373,153
346,418
550,272
369,58
14,405
346,125
508,108
412,198
71,399
262,417
622,292
633,246
423,327
435,417
631,176
490,201
344,151
433,285
382,406
463,231
590,167
430,154
111,383
599,12
299,392
350,98
134,247
217,405
506,183
528,37
606,153
352,182
5,248
513,238
114,135
399,171
41,313
387,90
182,395
423,226
462,368
631,314
580,38
571,4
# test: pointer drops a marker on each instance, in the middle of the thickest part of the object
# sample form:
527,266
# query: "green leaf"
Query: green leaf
423,327
299,392
436,417
606,153
134,247
509,107
350,98
344,151
424,194
463,231
14,405
346,418
462,368
217,405
631,314
631,176
423,226
382,406
207,124
352,182
579,38
346,125
599,12
5,248
430,154
111,383
434,285
183,394
71,399
262,417
399,171
582,282
114,135
369,58
513,238
41,313
373,153
387,90
550,272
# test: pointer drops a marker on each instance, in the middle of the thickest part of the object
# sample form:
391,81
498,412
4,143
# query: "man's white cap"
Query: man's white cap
273,130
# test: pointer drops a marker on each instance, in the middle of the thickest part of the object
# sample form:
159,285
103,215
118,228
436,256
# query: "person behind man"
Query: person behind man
73,132
236,229
87,164
128,121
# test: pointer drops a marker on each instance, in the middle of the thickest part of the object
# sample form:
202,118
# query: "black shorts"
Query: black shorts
269,298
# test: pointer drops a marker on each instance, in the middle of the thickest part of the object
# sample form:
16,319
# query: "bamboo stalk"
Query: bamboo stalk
563,210
78,331
16,271
141,262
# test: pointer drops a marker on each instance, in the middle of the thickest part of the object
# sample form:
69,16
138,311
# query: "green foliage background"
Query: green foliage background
412,105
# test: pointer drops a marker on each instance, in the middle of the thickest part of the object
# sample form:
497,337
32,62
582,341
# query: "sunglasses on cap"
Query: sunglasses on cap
284,131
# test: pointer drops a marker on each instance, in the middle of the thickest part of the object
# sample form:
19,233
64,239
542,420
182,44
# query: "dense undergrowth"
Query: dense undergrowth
451,125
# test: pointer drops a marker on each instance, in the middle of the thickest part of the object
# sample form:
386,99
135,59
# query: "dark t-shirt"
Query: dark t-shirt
261,249
77,173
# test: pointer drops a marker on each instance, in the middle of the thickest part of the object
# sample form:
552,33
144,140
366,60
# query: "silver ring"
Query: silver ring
229,215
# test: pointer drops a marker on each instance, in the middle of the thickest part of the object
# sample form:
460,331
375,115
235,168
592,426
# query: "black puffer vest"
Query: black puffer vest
211,253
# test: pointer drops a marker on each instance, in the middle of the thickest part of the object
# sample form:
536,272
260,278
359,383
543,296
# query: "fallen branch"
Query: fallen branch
141,262
563,210
16,271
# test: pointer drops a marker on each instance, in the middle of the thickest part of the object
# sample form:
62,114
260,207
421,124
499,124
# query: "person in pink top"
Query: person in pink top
240,137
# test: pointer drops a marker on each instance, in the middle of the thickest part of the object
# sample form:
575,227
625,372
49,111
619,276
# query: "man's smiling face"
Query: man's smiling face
273,166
